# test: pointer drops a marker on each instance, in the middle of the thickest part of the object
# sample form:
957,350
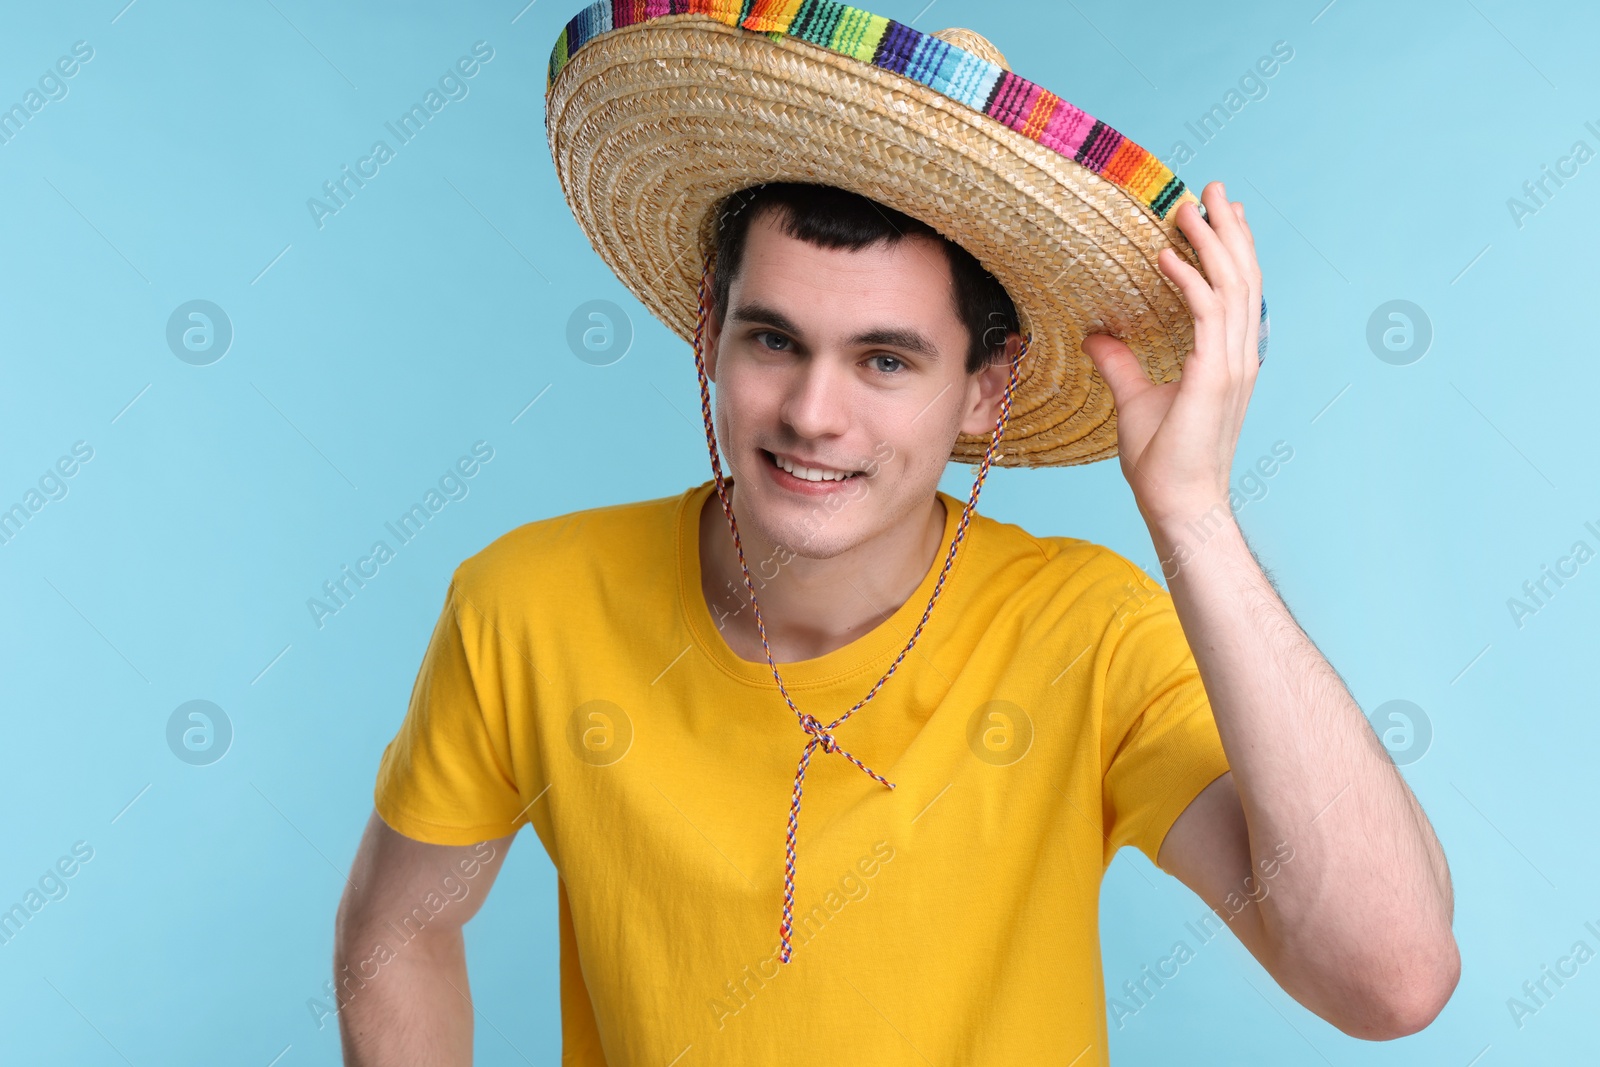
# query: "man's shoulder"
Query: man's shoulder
1061,561
1075,591
563,548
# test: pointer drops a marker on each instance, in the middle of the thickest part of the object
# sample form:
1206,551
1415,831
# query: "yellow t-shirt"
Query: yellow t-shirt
1050,713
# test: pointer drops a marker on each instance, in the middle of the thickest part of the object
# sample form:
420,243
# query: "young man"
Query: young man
619,679
839,359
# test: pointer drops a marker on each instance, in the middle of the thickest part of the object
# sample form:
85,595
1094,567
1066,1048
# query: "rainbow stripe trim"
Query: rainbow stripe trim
986,87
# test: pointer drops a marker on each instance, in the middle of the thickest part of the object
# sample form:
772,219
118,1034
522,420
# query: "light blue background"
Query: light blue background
425,316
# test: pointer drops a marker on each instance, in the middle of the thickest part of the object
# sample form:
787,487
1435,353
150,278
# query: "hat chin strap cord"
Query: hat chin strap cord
820,735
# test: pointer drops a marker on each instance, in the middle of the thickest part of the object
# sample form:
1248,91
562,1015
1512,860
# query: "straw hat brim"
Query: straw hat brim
652,125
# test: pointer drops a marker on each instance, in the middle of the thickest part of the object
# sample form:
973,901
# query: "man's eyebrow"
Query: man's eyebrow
901,337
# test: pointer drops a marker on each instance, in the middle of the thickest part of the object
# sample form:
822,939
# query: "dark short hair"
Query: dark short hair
829,217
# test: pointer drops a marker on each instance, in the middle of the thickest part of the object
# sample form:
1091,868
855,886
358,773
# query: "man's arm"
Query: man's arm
1356,924
400,965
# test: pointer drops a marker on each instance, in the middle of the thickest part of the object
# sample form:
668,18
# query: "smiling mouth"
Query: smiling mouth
805,474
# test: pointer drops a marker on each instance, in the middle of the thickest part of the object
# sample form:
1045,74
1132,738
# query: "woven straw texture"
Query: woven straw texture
652,124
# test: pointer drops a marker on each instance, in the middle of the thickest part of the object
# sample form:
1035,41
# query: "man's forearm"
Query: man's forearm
1362,916
404,1005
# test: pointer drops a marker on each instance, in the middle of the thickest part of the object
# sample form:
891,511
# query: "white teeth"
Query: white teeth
809,474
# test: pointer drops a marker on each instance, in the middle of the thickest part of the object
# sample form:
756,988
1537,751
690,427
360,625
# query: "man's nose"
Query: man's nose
818,400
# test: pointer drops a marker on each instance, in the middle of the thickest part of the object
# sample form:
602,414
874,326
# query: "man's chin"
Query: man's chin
809,533
819,526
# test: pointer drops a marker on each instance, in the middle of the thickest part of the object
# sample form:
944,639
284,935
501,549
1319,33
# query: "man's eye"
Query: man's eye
780,340
891,359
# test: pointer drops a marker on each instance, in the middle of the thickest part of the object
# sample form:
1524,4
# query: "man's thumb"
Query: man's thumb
1117,365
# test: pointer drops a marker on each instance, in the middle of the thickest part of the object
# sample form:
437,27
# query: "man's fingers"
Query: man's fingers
1208,361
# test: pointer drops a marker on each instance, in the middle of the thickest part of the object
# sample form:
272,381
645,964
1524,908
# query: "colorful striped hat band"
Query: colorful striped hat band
820,735
658,110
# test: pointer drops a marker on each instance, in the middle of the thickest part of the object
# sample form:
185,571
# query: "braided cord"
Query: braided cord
821,735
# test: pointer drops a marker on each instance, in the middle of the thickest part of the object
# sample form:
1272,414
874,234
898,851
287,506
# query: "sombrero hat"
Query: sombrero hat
657,110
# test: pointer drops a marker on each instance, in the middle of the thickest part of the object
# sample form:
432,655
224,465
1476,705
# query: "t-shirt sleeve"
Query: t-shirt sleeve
446,777
1156,720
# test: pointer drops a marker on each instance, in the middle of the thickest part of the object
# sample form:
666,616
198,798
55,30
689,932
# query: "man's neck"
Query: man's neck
812,606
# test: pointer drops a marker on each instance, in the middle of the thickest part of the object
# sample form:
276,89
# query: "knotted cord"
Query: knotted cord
819,735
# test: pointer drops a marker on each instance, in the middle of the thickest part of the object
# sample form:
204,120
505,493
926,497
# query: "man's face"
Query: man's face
846,361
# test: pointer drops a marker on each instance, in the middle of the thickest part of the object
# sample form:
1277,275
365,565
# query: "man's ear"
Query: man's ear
710,339
987,388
